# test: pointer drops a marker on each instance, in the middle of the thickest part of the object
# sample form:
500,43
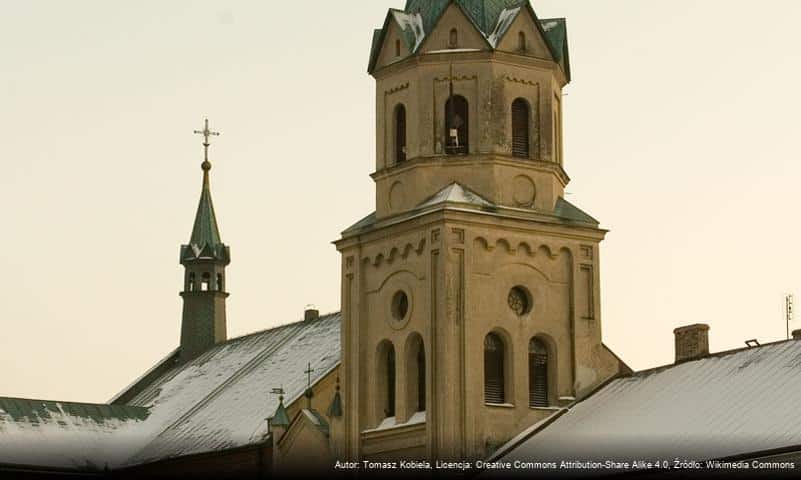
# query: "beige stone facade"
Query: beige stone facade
447,277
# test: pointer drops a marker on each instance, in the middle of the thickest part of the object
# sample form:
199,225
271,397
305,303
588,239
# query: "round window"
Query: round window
519,301
400,305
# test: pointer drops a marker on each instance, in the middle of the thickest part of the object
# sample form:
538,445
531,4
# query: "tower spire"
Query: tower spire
205,230
204,258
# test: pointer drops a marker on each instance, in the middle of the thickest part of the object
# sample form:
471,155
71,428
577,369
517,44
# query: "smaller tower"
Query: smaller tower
205,257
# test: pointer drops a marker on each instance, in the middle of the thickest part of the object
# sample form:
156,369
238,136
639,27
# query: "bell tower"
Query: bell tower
204,259
470,297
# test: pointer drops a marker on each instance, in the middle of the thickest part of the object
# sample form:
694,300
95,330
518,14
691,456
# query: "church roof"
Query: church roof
492,18
219,400
205,230
456,195
223,398
65,434
205,242
725,405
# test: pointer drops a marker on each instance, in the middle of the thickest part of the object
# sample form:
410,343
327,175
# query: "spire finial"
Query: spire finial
206,132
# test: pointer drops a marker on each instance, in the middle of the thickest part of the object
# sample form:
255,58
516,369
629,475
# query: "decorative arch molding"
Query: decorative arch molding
514,247
512,79
397,88
393,276
392,254
528,266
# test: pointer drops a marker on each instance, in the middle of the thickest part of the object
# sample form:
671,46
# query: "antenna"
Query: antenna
788,312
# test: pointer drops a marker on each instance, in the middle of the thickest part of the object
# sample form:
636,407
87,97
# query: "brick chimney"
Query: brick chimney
692,342
310,314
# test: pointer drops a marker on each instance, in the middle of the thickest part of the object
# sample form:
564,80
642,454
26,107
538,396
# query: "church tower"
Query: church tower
204,259
470,297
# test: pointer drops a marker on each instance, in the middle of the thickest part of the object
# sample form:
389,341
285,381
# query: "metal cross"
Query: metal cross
308,372
206,132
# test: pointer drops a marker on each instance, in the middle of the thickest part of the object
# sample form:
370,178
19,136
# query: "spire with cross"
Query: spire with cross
309,392
204,258
207,133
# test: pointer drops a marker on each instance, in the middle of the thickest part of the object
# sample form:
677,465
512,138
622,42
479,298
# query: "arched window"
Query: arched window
521,41
205,282
384,381
520,128
400,134
191,284
457,122
494,388
397,48
453,40
220,284
421,379
390,372
416,374
537,374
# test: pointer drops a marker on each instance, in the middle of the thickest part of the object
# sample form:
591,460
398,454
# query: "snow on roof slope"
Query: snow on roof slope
234,413
723,405
456,193
504,22
411,23
219,400
66,435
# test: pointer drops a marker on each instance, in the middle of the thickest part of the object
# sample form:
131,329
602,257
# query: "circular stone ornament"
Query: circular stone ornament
523,191
519,301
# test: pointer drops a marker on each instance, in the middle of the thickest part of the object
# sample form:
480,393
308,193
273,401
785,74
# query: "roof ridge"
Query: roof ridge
721,354
69,402
278,327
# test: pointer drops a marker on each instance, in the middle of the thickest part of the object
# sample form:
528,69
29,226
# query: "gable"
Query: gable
469,37
522,22
305,442
395,38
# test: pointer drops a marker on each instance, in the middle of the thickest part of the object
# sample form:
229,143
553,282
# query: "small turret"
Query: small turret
204,259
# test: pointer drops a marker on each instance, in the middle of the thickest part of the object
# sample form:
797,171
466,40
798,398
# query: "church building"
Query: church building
470,320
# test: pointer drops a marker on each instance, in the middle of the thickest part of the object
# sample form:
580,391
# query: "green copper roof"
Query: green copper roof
335,409
34,411
484,13
205,231
205,242
280,418
491,17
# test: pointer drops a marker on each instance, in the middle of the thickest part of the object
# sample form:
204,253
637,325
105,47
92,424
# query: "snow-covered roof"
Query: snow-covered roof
456,193
220,400
721,406
66,435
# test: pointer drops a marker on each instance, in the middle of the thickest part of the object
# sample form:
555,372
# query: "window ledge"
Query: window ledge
546,409
499,405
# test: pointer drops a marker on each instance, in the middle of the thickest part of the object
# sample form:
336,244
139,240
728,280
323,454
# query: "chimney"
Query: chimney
692,342
796,334
310,314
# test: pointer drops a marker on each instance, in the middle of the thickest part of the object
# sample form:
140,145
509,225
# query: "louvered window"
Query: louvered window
421,379
400,134
390,410
537,374
457,122
520,128
493,370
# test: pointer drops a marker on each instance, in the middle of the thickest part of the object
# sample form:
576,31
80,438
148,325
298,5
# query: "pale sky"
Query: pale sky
681,134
